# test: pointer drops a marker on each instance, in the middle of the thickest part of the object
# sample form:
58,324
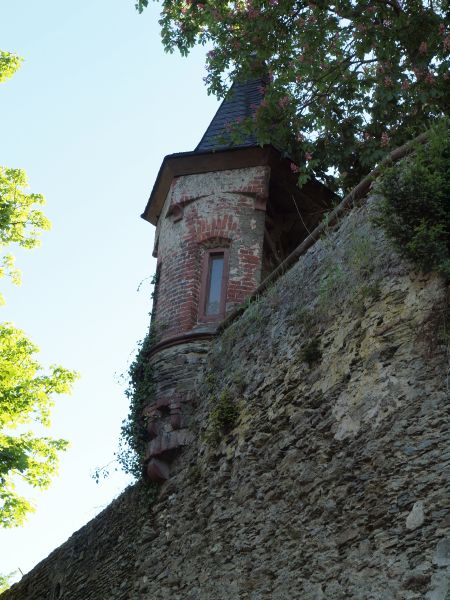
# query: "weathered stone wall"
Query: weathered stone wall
333,482
98,561
169,411
220,209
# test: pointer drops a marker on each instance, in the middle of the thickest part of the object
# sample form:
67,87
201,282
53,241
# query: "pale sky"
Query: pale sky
90,116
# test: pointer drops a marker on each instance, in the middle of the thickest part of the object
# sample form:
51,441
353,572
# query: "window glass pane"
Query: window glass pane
214,291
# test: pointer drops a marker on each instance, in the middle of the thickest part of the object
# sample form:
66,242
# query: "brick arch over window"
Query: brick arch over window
221,225
209,242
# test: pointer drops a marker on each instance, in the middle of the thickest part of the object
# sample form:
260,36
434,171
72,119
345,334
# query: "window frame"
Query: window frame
205,283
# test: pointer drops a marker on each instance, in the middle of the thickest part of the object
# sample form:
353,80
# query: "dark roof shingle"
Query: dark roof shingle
239,103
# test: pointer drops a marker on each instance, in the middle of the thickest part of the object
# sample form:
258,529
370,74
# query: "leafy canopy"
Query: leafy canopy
26,389
345,80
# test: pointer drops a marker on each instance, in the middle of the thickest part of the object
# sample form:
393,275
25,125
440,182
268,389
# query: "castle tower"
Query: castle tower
226,215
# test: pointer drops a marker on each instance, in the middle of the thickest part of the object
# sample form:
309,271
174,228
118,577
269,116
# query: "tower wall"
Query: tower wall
222,209
203,213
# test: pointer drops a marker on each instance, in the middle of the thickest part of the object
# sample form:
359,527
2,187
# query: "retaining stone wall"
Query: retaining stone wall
334,482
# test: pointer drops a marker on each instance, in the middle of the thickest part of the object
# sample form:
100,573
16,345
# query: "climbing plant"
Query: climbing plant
139,392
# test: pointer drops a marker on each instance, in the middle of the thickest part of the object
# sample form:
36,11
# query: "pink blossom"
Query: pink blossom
447,43
405,85
423,48
387,81
200,6
429,78
367,135
446,76
273,2
308,155
295,168
384,140
283,102
442,28
417,72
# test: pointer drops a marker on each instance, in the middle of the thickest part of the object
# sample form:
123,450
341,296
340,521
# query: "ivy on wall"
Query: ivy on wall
140,390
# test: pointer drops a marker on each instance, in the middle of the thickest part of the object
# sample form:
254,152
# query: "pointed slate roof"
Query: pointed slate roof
240,102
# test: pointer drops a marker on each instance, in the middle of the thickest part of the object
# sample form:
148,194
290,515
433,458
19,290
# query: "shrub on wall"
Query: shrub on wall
223,416
415,210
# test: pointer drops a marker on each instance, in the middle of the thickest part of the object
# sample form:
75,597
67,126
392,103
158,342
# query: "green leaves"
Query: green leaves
381,66
415,211
9,64
26,390
21,220
140,391
6,581
26,397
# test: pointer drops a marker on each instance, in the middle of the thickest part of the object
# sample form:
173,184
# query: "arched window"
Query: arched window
213,290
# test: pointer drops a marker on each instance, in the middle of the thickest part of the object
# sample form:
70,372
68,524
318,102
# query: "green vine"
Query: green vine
140,390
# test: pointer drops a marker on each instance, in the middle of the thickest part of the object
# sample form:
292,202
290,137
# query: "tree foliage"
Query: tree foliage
9,63
26,397
415,206
345,80
5,581
26,390
21,220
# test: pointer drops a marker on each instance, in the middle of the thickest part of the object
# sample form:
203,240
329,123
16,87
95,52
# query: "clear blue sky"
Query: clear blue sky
90,116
